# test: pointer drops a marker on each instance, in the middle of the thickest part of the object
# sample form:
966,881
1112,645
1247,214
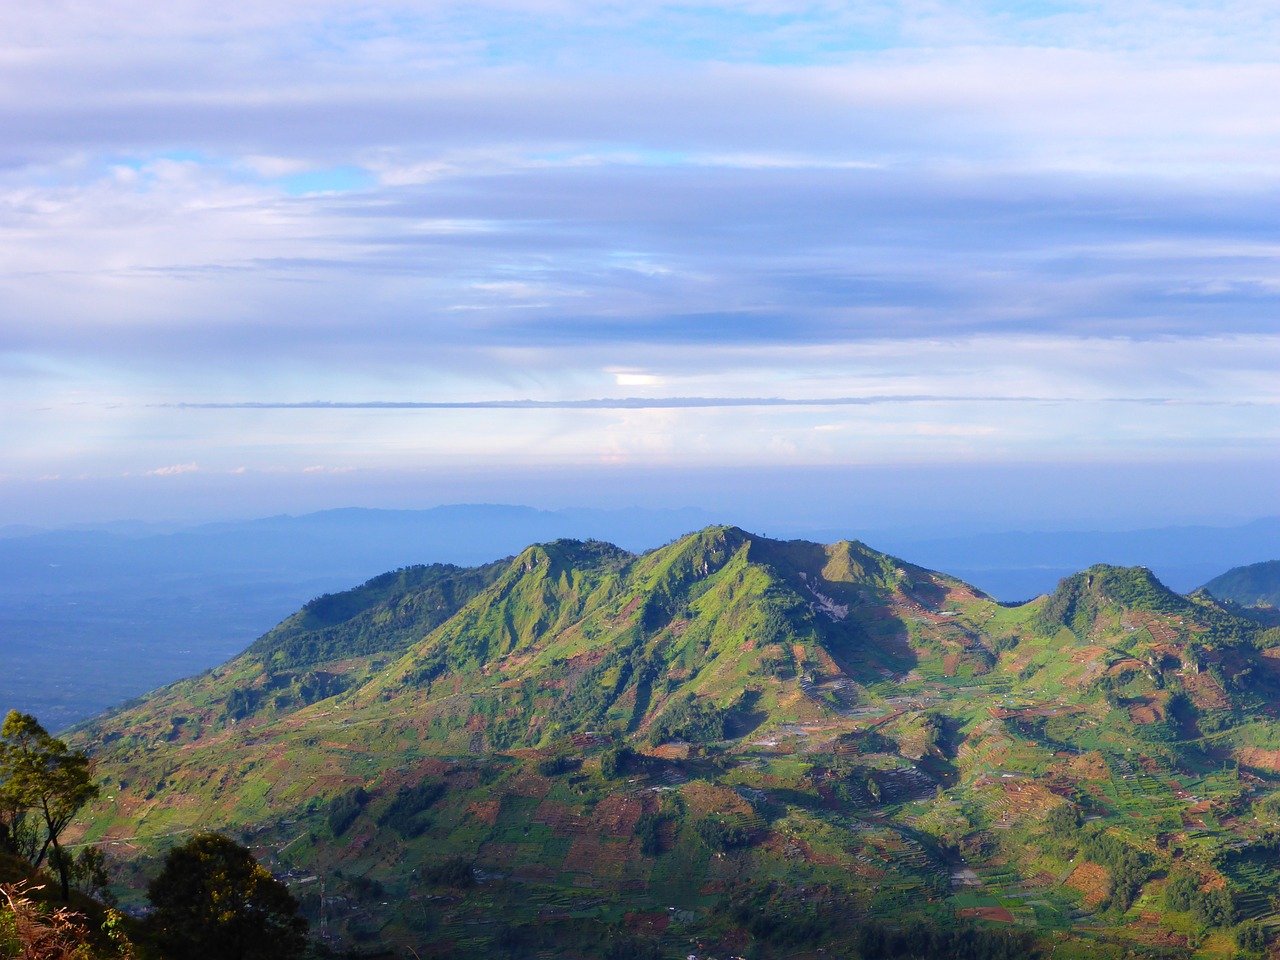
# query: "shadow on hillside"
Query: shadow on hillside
745,718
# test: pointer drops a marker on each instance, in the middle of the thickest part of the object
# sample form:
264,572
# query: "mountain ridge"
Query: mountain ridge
708,706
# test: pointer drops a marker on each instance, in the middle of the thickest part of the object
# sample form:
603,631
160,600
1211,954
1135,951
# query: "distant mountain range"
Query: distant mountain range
760,747
169,601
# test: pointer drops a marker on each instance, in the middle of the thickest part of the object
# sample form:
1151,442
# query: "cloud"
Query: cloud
174,470
920,226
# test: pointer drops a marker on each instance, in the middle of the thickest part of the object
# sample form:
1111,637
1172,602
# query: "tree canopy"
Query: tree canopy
40,778
214,901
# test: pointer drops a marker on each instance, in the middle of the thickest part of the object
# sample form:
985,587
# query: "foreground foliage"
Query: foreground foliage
31,931
214,901
43,784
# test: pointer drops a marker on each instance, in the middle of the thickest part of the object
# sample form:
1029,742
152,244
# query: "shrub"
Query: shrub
457,872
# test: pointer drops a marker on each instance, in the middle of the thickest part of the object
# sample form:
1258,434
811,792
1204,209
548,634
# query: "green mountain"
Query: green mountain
765,747
1257,585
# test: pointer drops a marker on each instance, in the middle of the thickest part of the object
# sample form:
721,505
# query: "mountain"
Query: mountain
1257,585
111,611
759,745
108,613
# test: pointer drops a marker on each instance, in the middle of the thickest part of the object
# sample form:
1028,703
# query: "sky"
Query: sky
998,262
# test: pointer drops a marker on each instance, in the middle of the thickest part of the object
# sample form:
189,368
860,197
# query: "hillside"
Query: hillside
763,745
1257,585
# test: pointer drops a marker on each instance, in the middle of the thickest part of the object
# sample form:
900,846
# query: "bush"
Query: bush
1251,937
456,872
691,720
614,762
721,834
407,814
213,899
342,810
554,766
649,830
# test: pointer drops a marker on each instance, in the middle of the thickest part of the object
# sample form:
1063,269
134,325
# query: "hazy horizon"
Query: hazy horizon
942,500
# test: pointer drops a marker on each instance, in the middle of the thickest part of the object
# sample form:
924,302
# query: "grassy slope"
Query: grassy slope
872,727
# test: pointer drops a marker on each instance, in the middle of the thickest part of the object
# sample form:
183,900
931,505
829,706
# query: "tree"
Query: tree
39,774
214,901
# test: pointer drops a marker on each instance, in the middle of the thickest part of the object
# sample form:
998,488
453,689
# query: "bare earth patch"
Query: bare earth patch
1092,880
997,914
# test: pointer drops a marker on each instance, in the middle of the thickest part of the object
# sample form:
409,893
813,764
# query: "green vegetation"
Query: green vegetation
1257,585
213,901
407,814
42,786
764,747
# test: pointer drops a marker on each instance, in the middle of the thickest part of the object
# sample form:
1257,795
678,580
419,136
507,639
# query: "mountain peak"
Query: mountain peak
1082,597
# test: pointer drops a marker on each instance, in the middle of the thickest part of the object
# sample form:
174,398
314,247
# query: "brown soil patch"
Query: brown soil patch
950,663
813,856
1027,799
627,701
584,660
959,594
632,606
616,816
486,811
528,785
1091,766
558,817
598,858
583,855
1205,692
826,665
1127,663
1092,880
672,751
1144,711
533,871
1257,757
705,800
998,914
646,922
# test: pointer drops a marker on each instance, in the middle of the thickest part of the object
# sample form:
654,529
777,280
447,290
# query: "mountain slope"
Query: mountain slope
1257,585
710,724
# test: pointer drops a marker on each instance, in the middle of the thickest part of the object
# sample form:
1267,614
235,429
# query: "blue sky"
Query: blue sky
288,255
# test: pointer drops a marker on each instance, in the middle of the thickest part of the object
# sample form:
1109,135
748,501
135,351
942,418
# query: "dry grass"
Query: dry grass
1259,758
705,800
486,811
1092,880
36,933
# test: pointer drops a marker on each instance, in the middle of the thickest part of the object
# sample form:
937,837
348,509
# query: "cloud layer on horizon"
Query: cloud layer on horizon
286,202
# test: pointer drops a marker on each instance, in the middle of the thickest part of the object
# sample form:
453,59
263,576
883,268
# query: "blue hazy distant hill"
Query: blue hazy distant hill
102,614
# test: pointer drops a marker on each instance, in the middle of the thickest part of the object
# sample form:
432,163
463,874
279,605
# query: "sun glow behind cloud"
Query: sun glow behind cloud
1031,231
